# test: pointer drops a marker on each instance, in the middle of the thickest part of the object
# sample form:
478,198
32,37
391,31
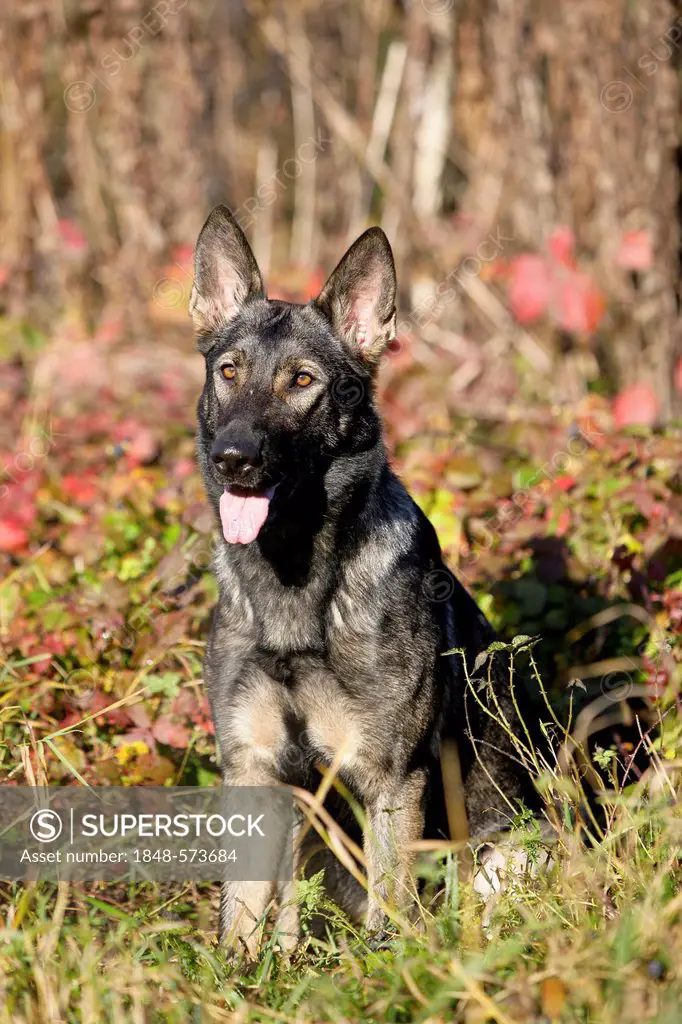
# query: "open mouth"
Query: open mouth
243,513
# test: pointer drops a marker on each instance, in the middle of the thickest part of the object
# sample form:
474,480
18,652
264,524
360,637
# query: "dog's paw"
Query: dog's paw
239,962
241,956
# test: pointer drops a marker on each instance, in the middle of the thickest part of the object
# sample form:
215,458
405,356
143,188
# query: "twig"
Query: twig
303,227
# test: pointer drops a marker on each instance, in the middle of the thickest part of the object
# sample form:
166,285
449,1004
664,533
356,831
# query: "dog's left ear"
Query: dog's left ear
359,296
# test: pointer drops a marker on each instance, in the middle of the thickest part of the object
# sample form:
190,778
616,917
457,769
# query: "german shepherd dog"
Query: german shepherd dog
336,609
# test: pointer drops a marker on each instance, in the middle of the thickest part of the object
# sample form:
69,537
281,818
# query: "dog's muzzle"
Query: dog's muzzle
236,454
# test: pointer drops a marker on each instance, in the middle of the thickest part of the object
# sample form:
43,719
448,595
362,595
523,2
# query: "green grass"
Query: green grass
103,616
594,935
597,937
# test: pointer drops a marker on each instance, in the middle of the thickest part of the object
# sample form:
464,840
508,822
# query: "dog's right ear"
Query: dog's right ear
225,275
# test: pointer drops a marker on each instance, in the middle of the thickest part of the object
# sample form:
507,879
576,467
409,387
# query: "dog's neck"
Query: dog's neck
312,517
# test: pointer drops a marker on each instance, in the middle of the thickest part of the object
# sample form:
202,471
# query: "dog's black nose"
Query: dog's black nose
236,452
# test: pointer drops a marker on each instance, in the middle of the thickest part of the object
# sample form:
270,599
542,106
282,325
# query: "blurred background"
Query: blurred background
522,157
523,160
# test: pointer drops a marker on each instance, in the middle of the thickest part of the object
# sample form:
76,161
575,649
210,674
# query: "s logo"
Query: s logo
46,826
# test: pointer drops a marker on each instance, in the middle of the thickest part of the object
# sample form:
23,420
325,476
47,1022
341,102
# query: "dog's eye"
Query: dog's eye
303,379
229,371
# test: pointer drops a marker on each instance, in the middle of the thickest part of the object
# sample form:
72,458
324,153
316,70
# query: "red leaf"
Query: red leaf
183,468
93,701
72,237
656,678
537,284
564,483
171,732
203,719
38,650
117,717
109,331
578,305
20,498
529,287
81,489
138,715
142,449
140,444
635,251
636,404
55,644
560,245
13,536
185,704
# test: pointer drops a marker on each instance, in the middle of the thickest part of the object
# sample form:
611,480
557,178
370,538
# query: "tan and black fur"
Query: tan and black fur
328,641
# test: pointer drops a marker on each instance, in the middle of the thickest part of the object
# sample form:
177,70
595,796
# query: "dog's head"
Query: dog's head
288,387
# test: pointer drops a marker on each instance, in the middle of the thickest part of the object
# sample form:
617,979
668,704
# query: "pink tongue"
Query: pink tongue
242,517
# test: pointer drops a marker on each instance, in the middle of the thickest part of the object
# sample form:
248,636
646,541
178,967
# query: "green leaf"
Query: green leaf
521,639
480,660
167,683
111,911
205,777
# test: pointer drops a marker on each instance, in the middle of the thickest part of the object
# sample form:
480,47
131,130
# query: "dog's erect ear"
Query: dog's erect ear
225,275
359,297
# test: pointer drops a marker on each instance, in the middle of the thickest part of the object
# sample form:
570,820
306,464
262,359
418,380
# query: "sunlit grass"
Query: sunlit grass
595,935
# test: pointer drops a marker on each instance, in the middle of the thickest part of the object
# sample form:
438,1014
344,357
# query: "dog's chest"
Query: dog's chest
330,680
296,713
290,621
340,623
333,722
278,618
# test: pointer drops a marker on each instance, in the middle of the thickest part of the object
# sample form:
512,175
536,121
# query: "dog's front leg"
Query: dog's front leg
244,904
288,924
395,818
251,733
